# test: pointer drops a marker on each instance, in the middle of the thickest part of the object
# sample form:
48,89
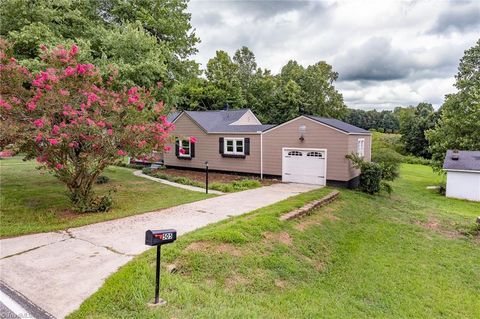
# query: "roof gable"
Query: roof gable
225,121
467,161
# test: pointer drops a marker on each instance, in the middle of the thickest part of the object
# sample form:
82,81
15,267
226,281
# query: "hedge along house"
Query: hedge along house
306,149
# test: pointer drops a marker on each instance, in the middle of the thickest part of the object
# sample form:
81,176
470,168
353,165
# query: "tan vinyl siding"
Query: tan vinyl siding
206,149
317,135
352,148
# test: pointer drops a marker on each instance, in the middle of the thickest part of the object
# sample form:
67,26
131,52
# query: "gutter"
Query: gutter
461,170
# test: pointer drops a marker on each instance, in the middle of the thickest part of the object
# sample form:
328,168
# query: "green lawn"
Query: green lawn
34,201
403,256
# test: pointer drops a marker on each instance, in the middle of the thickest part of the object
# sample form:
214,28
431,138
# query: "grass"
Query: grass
403,256
34,201
234,186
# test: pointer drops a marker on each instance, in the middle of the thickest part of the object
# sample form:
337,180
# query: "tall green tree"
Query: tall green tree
459,124
414,122
246,70
147,41
222,73
321,97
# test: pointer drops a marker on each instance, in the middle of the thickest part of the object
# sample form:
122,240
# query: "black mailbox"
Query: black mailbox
160,237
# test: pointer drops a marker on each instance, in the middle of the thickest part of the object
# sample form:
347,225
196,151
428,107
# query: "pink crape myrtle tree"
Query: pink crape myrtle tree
74,122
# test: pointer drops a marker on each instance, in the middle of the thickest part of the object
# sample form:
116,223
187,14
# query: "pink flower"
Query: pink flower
81,69
53,141
5,105
193,139
39,137
92,97
69,71
31,106
55,129
15,100
39,122
48,87
73,50
101,124
181,151
110,131
90,122
132,99
132,91
58,166
140,106
141,144
64,92
6,153
43,47
121,153
13,60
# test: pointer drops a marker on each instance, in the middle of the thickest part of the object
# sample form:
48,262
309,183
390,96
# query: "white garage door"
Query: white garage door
304,166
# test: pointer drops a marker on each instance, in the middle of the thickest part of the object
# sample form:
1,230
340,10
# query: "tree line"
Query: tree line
150,43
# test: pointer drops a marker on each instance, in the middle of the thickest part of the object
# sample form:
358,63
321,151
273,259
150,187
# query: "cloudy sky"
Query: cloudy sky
388,53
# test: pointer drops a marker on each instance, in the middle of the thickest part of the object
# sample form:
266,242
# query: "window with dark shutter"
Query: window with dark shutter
247,146
177,147
220,145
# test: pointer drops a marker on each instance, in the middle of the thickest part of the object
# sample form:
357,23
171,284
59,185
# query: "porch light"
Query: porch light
302,129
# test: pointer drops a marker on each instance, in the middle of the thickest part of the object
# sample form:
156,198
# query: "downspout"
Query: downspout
261,155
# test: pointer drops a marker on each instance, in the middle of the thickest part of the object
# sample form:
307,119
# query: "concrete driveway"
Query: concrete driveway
57,271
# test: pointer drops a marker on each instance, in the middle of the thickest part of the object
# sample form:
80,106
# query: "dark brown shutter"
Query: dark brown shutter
220,145
247,146
177,147
192,150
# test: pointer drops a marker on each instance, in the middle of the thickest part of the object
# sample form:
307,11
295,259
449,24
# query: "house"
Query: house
307,149
463,174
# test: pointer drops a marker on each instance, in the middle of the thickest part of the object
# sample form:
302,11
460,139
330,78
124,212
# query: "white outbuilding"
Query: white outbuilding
463,174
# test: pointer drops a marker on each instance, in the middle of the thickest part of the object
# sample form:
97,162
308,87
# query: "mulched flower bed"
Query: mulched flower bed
215,177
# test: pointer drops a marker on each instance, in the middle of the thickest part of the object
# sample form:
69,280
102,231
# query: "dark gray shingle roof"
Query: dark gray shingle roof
172,116
467,161
219,121
339,125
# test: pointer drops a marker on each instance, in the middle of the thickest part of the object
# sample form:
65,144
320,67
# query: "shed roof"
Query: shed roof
339,125
467,161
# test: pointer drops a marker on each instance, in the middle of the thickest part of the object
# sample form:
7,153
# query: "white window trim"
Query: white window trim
180,146
235,140
361,151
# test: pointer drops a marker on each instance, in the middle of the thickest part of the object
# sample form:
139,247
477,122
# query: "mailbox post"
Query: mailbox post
159,238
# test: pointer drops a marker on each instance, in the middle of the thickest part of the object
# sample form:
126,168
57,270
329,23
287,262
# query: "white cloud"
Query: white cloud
388,53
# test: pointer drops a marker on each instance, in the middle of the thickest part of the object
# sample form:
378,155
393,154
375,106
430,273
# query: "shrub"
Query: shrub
389,162
102,179
373,175
370,178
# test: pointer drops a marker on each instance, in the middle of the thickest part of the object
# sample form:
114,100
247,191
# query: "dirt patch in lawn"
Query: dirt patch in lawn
435,225
281,237
214,176
325,213
221,248
236,280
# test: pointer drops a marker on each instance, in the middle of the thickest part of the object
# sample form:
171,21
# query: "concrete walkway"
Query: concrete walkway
164,181
58,270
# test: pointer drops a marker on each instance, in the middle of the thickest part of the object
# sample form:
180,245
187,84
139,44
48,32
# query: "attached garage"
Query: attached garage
312,150
306,166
